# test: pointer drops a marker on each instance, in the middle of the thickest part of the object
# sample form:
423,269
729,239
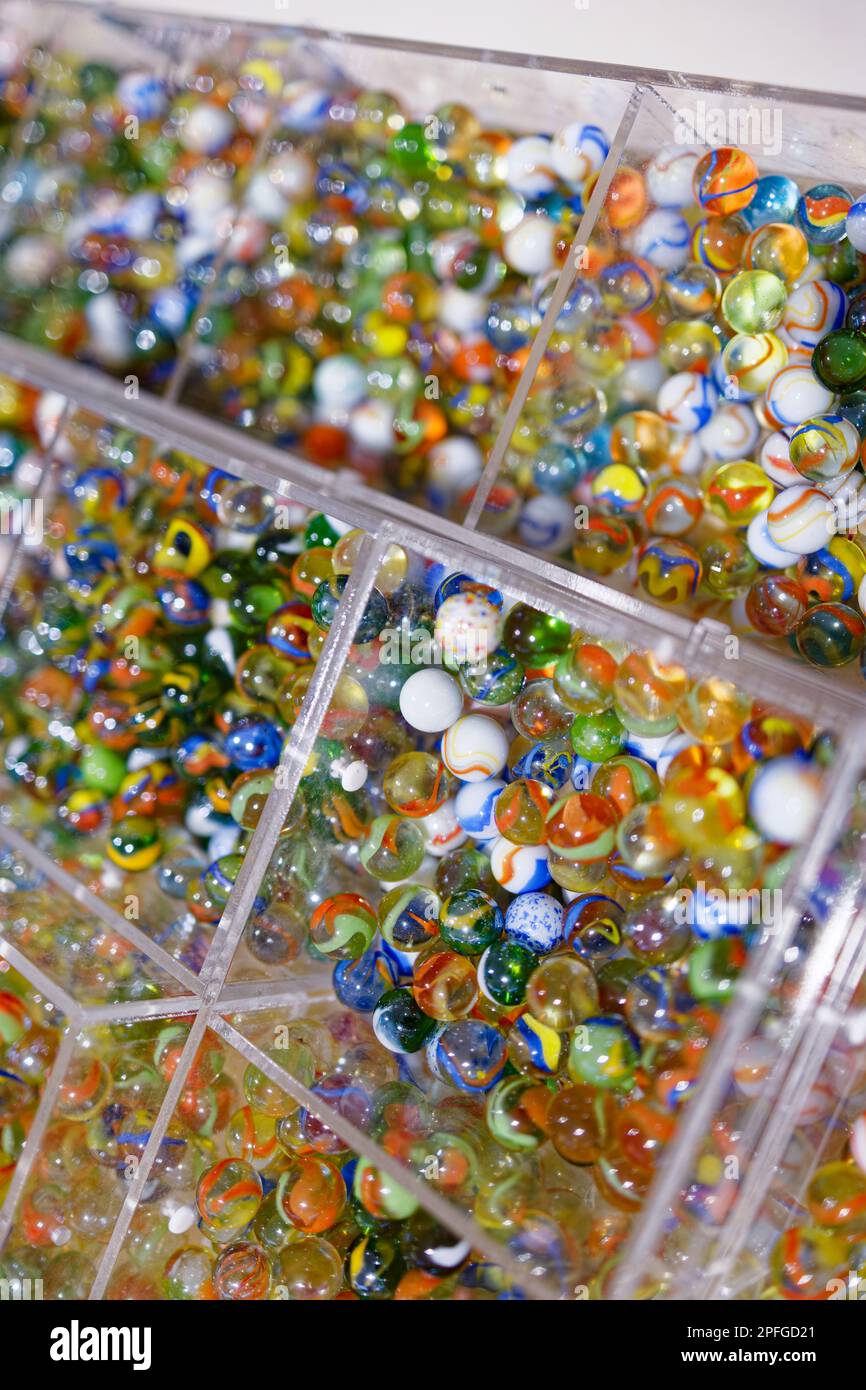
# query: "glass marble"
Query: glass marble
822,212
504,970
717,244
714,967
470,1055
713,710
702,806
521,810
581,827
688,346
581,1119
375,1265
836,1196
754,301
692,291
830,635
343,926
813,310
400,1024
409,917
668,570
536,1050
242,1273
626,781
597,737
380,1195
738,491
618,488
652,1008
645,843
729,565
602,544
604,1054
496,682
444,983
538,713
561,991
751,361
725,180
779,249
360,983
535,638
824,449
311,1194
839,360
804,1260
534,920
647,694
673,507
513,1113
263,1093
470,921
834,573
415,784
228,1196
592,926
393,848
309,1269
775,604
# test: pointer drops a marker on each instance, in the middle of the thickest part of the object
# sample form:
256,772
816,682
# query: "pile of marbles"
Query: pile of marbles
697,431
155,653
122,201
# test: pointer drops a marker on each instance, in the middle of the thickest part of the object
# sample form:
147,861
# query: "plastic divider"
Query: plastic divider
292,763
615,71
82,895
151,1149
41,979
186,347
807,1042
567,276
33,1143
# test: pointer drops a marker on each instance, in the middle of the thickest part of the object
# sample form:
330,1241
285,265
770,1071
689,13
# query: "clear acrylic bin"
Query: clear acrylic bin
198,1002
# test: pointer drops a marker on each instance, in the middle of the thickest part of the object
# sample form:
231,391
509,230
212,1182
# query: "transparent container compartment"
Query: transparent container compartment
121,187
241,1113
666,400
363,164
70,699
761,1199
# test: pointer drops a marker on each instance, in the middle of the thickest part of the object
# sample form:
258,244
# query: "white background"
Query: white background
816,44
